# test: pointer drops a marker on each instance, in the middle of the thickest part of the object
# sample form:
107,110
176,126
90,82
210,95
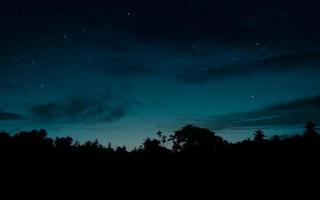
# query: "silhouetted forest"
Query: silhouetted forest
191,157
187,142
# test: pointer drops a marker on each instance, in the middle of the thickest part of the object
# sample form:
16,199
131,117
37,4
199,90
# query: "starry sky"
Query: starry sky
121,70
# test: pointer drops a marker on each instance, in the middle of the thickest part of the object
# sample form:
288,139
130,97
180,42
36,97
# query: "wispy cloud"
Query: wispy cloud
284,114
79,110
7,116
275,64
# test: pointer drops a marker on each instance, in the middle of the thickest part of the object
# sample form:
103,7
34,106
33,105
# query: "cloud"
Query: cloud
122,68
79,110
284,114
7,116
269,65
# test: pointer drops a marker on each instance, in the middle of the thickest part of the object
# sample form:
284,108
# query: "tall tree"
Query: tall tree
191,138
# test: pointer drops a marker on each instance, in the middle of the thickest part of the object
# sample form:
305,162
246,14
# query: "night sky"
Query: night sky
121,70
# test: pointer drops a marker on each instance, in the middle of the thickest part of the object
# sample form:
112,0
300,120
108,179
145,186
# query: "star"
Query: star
197,49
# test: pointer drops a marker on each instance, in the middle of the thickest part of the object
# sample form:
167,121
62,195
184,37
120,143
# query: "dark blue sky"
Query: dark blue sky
120,70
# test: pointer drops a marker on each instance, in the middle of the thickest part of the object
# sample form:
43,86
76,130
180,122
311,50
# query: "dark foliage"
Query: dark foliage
194,139
191,156
185,141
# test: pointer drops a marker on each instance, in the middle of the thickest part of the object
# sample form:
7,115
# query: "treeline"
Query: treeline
188,141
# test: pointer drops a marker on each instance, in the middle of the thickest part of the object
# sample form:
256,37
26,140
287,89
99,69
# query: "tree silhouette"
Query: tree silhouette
33,139
4,138
121,150
191,138
259,136
153,146
162,137
63,143
275,139
310,129
189,141
90,146
109,148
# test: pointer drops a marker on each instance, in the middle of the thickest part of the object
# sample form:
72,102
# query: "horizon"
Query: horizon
161,140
